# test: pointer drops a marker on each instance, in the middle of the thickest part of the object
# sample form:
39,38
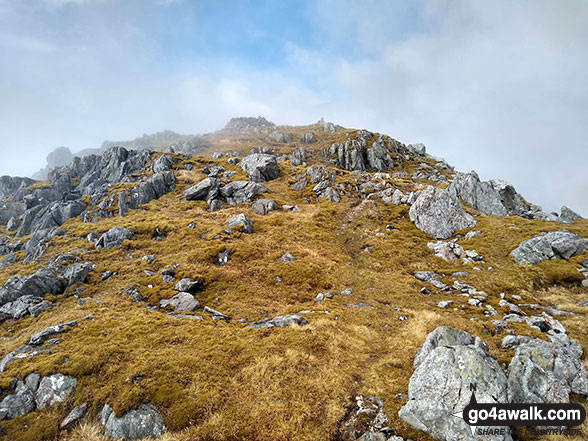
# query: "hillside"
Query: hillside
347,246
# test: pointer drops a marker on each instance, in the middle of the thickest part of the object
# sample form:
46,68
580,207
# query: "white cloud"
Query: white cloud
494,86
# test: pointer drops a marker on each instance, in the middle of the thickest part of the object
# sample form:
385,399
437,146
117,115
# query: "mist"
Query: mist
499,87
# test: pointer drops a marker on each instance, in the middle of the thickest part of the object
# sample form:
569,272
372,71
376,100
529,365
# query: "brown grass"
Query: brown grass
221,381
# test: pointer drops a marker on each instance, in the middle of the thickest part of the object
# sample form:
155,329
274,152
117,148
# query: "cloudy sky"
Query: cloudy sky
497,86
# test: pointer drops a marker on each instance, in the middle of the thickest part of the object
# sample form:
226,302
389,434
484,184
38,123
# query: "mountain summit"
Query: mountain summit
270,282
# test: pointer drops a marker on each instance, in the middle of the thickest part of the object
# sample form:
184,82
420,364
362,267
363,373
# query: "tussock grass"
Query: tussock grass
213,380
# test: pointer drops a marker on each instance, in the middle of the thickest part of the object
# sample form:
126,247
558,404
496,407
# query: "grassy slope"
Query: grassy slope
221,381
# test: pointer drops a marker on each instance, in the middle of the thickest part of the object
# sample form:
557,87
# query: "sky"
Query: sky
500,87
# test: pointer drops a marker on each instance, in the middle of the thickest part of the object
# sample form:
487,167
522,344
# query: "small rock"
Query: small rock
74,417
287,257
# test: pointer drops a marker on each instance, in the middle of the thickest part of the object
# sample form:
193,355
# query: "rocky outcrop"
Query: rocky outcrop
308,138
49,216
281,137
191,146
142,422
260,167
153,188
553,245
245,124
44,281
478,195
439,213
569,215
547,372
237,192
298,157
205,190
449,361
36,393
14,188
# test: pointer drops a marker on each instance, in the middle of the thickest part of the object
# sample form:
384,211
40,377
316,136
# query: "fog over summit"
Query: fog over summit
492,86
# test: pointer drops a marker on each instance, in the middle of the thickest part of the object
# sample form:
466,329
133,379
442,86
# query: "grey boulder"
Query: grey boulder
142,422
153,188
54,389
439,213
76,414
19,403
477,194
553,245
260,167
44,281
280,321
569,215
183,301
237,192
114,237
547,372
205,190
243,222
445,366
264,206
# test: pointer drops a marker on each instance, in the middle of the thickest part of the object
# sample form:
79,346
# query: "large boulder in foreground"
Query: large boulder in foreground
439,213
446,365
143,422
553,245
260,167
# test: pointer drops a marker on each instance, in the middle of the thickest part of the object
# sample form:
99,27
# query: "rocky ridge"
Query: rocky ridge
143,255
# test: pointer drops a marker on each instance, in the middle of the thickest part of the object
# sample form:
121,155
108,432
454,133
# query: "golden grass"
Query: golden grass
221,381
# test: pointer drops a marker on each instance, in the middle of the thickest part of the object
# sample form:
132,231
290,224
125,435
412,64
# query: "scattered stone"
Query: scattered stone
217,315
189,285
471,234
107,275
280,321
287,257
445,304
74,417
223,258
359,305
448,251
40,337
